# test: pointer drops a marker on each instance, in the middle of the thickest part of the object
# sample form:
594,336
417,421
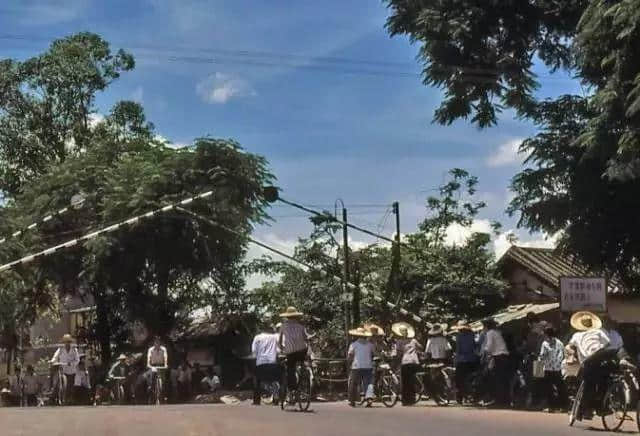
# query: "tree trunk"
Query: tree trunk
103,332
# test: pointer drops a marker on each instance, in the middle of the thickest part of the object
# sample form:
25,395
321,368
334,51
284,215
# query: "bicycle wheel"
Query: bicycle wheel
638,414
388,388
304,389
422,394
614,406
575,407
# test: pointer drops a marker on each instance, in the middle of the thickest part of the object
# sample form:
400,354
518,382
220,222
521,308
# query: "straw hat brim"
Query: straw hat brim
360,333
67,339
370,327
396,327
122,357
577,317
291,314
436,330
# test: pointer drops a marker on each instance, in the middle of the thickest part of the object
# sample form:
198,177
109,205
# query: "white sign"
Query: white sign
583,293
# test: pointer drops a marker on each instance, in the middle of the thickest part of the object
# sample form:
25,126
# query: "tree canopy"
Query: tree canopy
582,166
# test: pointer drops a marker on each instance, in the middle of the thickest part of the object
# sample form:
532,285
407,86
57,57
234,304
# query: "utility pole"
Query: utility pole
345,271
395,261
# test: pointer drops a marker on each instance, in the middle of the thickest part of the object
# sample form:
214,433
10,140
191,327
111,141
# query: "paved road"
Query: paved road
244,419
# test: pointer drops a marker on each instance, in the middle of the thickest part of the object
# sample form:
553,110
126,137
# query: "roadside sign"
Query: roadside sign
583,293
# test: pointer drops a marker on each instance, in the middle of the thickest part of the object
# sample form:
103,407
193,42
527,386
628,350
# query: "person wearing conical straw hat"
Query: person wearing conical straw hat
466,358
68,358
293,342
360,360
438,348
406,348
591,343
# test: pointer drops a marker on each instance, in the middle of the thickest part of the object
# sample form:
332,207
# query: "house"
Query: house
534,275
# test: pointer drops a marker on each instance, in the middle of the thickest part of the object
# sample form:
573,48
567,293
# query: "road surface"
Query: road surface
244,419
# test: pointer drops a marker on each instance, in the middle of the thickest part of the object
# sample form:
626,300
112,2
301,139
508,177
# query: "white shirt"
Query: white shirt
157,356
552,354
82,379
438,347
494,344
589,342
68,359
265,348
615,340
362,353
212,382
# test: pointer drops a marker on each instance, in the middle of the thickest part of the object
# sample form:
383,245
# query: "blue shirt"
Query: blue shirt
466,347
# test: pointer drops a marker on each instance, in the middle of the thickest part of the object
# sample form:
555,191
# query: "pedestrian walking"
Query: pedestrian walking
466,358
551,356
406,348
265,349
360,360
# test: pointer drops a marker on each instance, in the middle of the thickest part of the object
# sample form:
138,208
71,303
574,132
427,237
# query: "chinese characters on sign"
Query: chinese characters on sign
583,293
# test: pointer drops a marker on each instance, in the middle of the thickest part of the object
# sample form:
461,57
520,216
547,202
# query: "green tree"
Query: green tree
46,104
584,163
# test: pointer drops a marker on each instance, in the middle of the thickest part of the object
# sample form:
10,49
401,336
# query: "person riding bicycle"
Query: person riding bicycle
157,359
293,342
119,371
68,358
466,358
592,344
360,360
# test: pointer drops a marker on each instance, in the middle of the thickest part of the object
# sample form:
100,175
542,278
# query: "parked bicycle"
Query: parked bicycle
301,396
60,384
117,390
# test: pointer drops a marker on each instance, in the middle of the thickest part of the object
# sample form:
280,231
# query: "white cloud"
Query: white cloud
95,119
255,251
219,88
137,95
457,234
502,243
506,154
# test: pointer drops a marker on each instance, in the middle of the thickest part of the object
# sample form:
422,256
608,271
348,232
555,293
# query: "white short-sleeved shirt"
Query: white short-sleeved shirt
589,342
552,354
362,352
156,356
438,347
265,348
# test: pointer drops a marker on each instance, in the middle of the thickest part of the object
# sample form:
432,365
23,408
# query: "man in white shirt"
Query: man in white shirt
157,359
438,349
593,345
265,348
210,382
360,358
497,358
68,358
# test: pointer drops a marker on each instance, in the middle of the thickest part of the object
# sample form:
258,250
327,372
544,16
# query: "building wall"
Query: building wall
624,310
522,283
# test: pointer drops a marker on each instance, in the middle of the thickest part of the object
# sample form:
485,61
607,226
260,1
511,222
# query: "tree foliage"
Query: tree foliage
583,165
441,282
46,104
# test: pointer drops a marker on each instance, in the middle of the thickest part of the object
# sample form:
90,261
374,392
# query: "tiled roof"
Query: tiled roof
549,265
513,313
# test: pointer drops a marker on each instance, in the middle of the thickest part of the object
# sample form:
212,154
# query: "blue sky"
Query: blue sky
356,128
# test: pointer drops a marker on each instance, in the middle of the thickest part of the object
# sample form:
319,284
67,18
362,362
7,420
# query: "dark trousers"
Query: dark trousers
268,374
32,400
293,359
463,371
594,375
408,379
360,382
499,376
551,380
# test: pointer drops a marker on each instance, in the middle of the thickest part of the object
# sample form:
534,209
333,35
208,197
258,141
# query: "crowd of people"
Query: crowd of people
495,357
492,355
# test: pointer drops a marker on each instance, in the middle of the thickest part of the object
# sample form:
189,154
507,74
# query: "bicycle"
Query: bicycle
60,384
156,385
614,403
386,385
434,383
117,390
302,394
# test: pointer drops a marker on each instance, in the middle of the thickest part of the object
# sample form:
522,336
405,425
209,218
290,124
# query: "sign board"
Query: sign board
583,293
